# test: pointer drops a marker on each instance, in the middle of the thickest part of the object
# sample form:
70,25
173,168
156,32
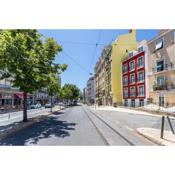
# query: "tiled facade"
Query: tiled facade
134,76
162,68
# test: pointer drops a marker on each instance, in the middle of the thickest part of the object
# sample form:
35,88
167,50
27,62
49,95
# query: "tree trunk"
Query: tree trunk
25,107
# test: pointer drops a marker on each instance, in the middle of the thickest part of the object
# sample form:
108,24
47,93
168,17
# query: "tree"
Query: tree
26,57
53,87
70,92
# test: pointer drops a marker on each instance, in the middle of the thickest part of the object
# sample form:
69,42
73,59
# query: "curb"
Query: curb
151,139
23,125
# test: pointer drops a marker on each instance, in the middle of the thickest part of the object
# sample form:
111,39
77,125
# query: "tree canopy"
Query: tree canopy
70,92
29,59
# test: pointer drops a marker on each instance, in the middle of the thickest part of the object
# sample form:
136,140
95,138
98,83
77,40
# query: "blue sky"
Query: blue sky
80,51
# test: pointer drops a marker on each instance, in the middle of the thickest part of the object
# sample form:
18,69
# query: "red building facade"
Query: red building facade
133,78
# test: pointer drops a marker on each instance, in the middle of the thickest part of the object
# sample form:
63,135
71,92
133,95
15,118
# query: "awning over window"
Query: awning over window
19,95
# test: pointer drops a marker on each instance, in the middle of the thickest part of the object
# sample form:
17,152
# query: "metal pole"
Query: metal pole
169,121
162,127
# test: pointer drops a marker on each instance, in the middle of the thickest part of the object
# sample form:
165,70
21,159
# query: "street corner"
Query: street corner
154,135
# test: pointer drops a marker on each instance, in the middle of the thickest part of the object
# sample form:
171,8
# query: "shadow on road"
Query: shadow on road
51,126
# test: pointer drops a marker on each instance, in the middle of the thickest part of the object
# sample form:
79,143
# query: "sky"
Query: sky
82,48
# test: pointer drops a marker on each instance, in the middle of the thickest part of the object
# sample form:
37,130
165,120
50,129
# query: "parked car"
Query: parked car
48,105
35,106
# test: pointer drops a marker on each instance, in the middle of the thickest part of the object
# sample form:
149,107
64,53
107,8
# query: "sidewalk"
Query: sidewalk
126,110
154,135
144,123
15,124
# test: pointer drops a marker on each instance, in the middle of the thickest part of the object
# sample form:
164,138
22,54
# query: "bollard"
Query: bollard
162,127
170,124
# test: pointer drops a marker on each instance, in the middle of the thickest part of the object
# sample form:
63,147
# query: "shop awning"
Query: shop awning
19,95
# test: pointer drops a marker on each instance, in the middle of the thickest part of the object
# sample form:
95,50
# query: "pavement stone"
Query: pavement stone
154,135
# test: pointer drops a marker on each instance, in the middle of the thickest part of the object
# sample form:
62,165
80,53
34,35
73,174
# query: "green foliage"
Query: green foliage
70,92
53,87
28,59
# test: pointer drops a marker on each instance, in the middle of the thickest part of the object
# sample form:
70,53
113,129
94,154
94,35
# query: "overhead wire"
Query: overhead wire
75,61
94,53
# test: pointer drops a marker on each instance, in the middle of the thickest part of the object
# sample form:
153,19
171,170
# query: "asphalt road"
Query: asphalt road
67,127
75,126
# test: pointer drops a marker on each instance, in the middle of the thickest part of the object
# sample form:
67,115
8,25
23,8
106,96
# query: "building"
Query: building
90,91
10,97
120,48
135,85
106,54
41,97
99,80
162,68
84,95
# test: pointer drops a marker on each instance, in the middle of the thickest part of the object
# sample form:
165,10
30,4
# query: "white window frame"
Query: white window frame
130,79
141,49
124,79
142,62
159,45
125,65
138,76
158,60
143,91
130,65
131,54
134,91
163,78
125,89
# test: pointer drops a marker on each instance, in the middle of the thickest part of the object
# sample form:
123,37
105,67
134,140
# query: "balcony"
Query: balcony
157,87
163,67
164,86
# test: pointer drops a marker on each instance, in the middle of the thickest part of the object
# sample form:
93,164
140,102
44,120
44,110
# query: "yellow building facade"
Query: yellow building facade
120,48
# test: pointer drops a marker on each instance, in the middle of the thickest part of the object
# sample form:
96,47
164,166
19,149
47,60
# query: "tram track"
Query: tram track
113,130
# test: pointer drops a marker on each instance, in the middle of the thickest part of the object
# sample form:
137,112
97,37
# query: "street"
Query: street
75,125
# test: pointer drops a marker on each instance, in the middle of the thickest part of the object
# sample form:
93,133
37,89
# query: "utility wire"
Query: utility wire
81,43
76,62
94,53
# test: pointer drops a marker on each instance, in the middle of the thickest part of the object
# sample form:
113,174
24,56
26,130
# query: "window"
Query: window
131,54
140,49
160,65
140,62
140,76
161,101
159,44
125,80
173,35
160,80
125,68
132,65
141,91
132,91
126,103
132,103
125,92
141,102
132,78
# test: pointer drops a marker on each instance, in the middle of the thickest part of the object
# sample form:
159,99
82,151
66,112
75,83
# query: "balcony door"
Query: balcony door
161,100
